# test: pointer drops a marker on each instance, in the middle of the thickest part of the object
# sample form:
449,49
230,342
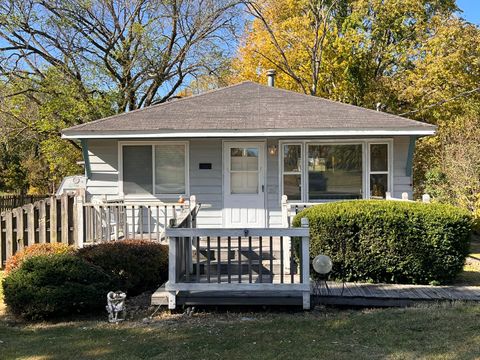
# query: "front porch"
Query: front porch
263,265
214,265
249,261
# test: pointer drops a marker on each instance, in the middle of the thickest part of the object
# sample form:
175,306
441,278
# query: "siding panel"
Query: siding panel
207,184
401,182
103,156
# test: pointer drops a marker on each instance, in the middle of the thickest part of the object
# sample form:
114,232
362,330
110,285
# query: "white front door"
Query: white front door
244,184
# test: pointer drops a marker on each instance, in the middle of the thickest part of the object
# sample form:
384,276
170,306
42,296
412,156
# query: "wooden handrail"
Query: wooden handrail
215,259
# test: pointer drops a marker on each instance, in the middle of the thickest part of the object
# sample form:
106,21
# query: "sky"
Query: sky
471,10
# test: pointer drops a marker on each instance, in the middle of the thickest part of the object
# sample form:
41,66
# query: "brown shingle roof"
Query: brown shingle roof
247,106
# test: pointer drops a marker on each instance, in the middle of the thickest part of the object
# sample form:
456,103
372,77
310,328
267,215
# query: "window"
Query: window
244,170
313,171
159,169
137,169
378,170
170,169
292,171
335,171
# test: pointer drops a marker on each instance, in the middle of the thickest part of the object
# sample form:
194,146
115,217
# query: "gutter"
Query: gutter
242,133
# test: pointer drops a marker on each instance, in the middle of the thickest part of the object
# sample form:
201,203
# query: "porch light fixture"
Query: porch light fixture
272,150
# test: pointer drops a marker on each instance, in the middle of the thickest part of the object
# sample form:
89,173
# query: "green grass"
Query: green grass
442,332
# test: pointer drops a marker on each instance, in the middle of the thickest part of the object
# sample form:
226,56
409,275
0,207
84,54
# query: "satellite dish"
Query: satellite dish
322,264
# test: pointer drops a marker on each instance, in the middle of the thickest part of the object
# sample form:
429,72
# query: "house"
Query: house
240,148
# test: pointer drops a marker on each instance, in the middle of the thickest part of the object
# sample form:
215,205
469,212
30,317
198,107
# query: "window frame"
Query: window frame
152,144
389,171
282,167
365,164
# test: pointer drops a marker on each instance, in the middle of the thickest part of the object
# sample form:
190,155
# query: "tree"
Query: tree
32,114
143,50
342,50
416,58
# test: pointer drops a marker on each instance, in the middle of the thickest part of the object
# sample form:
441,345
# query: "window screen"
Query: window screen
170,169
137,169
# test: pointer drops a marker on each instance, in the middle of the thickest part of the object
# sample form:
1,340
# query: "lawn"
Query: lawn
435,332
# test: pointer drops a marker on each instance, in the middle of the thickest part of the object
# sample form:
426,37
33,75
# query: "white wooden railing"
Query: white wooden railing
251,260
109,221
290,209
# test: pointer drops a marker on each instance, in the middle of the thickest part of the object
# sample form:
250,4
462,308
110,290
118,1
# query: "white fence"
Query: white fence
290,209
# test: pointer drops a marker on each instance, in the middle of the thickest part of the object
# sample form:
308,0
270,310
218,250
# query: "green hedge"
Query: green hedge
54,285
390,241
135,265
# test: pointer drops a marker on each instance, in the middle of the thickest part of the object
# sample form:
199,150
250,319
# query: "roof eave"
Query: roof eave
430,130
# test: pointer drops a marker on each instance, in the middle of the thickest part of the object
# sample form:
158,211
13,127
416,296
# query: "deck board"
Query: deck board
363,293
354,294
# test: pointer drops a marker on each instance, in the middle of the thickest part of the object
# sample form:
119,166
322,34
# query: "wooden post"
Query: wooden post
8,234
64,217
19,216
284,204
78,220
287,240
172,271
388,195
193,204
426,198
306,265
53,220
42,219
405,196
1,240
30,224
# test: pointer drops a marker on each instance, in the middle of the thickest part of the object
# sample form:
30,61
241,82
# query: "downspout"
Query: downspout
86,158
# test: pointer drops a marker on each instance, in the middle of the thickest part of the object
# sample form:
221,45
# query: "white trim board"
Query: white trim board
242,133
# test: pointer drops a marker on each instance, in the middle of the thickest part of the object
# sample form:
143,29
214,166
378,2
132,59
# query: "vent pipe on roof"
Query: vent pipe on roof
271,77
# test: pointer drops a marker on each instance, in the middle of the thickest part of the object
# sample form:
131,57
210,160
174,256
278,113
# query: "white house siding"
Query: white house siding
207,185
401,182
273,187
103,156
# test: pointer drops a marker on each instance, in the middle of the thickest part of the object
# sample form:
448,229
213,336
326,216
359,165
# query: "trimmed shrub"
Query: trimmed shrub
54,285
390,241
135,265
34,250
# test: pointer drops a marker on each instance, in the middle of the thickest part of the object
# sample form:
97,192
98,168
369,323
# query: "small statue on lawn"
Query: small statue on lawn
116,306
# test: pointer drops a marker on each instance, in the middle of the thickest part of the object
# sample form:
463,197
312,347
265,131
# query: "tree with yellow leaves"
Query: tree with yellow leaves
339,49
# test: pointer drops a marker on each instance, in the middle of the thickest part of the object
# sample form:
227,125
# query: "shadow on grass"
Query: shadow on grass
428,332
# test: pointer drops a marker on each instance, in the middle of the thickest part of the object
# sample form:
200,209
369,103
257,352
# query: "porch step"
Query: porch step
244,278
160,296
243,268
245,254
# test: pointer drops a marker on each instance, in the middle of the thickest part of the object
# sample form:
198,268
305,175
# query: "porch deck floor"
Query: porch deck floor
347,294
362,294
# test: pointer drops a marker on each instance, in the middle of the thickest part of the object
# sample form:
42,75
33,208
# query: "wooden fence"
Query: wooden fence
9,202
49,220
